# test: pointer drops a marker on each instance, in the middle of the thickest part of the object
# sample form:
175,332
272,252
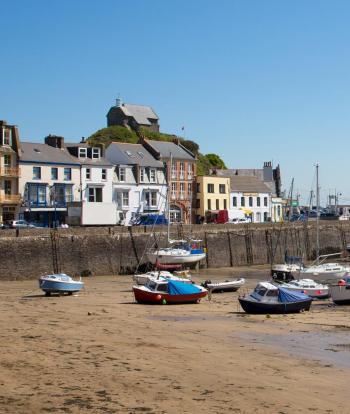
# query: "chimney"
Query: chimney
54,141
267,171
118,102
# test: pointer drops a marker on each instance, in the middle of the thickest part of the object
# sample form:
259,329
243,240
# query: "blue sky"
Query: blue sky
250,80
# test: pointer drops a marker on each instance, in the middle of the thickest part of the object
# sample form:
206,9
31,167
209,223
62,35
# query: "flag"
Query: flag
183,128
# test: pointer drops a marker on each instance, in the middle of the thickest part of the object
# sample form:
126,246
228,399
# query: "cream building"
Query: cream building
10,198
213,194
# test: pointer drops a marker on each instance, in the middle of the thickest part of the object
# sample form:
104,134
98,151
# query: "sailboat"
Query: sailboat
319,271
177,252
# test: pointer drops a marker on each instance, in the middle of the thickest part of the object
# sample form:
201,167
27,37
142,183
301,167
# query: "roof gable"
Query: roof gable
141,113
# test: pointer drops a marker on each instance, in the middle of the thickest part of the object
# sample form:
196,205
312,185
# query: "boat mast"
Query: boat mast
317,216
168,198
291,200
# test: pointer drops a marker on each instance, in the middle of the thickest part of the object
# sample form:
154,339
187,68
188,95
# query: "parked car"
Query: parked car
151,219
240,220
217,216
20,224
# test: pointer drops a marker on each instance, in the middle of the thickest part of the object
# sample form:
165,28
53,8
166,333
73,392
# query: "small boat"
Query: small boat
182,252
168,292
325,272
340,293
287,271
144,278
59,283
231,285
268,298
309,287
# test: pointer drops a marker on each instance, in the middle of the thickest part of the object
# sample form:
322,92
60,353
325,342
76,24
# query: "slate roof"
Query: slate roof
168,149
140,113
126,154
43,153
245,184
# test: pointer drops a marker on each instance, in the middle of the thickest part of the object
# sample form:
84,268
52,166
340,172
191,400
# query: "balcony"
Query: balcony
10,172
10,198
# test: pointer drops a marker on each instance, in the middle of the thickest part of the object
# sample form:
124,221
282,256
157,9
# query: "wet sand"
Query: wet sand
99,352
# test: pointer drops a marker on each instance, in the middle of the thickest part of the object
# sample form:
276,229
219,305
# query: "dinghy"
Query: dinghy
231,285
268,298
309,287
144,278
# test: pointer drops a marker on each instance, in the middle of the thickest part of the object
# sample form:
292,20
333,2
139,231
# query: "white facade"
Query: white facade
276,209
255,206
138,190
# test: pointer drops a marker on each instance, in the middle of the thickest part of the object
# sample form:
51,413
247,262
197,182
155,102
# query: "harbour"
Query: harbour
99,351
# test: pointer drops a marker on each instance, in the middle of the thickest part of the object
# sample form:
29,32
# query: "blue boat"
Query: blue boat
59,283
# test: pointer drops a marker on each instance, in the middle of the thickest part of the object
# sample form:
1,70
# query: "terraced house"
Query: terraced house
10,199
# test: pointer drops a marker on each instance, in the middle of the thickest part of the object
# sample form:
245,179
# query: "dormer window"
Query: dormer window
96,153
82,152
7,137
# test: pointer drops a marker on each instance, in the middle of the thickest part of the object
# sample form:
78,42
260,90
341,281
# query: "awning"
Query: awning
246,210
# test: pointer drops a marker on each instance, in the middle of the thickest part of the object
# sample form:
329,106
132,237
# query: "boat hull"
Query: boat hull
313,293
175,259
324,277
255,307
50,286
231,286
340,294
144,296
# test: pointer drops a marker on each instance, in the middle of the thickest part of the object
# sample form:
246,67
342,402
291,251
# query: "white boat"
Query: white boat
175,255
325,272
289,270
59,283
340,293
227,286
144,278
309,287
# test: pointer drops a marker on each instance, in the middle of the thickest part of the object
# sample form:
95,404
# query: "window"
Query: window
125,198
7,187
279,211
217,204
198,203
7,136
7,160
122,174
36,173
104,174
67,174
225,204
36,194
265,216
234,201
198,187
182,170
210,188
182,190
69,193
242,201
82,152
265,201
54,173
152,175
96,153
209,204
189,190
173,170
151,198
142,175
88,174
173,190
222,188
95,195
258,201
250,201
190,170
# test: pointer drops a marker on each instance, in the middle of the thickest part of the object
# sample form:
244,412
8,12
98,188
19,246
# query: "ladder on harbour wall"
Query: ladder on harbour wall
55,249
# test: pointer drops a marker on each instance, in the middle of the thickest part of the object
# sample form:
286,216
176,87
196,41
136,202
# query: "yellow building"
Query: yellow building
213,194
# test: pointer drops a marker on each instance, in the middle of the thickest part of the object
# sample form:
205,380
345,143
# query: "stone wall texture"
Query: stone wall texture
28,254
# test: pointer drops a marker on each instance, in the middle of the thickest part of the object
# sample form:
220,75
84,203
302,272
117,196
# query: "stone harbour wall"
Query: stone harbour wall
107,251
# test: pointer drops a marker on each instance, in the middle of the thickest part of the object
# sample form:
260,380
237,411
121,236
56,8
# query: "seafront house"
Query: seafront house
95,205
139,184
252,196
180,174
133,116
10,199
49,181
212,195
276,209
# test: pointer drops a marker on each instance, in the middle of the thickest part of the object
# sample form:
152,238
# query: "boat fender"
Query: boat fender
341,282
163,302
159,297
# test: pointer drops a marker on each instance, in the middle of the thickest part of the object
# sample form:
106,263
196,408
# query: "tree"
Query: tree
215,161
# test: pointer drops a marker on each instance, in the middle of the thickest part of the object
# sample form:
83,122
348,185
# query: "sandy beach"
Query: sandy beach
100,352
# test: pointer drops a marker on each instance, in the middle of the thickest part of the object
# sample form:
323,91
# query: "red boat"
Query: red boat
168,292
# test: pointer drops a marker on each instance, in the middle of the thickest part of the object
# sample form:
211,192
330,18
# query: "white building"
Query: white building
139,183
252,196
49,181
96,186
